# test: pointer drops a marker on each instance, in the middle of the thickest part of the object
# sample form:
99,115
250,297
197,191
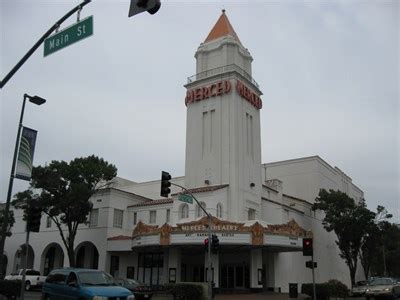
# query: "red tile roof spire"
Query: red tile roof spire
222,28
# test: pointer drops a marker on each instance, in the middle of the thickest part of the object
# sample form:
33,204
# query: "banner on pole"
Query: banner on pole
25,154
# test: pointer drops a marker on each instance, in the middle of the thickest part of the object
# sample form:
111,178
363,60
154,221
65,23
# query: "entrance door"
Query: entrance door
235,277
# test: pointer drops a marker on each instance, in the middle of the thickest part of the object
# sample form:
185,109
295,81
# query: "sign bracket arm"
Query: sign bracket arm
40,41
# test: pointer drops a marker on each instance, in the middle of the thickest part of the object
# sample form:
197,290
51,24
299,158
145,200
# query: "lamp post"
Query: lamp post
38,101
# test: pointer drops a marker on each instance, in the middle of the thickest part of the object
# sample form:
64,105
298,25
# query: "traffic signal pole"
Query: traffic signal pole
209,274
40,41
313,277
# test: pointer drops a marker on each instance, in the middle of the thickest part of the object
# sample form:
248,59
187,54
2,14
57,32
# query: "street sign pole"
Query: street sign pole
25,263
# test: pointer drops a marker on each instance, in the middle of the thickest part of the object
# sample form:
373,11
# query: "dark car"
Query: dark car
77,284
140,290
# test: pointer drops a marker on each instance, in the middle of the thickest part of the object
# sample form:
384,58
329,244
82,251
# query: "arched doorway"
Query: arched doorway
52,258
19,257
87,256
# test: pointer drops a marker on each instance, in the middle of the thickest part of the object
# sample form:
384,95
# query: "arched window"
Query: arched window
184,211
199,211
219,210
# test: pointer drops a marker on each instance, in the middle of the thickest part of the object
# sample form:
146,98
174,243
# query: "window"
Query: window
134,218
114,265
251,214
184,211
118,217
48,222
219,210
199,211
153,215
168,216
94,216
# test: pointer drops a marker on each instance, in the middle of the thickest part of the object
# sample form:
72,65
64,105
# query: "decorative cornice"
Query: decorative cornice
153,202
204,189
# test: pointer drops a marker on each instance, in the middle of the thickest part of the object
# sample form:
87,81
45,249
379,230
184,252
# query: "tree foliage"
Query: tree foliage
348,220
387,256
11,220
372,245
63,190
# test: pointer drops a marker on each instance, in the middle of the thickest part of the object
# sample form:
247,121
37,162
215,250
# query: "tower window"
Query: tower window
219,210
251,214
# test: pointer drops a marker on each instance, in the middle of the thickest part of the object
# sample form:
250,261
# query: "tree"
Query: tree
63,191
386,260
371,247
3,258
348,220
10,220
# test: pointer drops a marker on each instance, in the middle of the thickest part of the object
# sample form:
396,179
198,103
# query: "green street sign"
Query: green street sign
68,36
185,198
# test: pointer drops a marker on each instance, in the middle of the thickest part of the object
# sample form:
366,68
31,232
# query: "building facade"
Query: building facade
261,212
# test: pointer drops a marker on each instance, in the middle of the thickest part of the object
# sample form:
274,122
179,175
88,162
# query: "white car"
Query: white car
359,289
383,287
32,278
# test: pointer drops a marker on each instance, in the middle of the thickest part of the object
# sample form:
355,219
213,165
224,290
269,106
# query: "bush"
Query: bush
337,289
332,288
10,288
186,291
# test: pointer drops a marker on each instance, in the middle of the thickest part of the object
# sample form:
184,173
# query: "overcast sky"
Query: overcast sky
329,72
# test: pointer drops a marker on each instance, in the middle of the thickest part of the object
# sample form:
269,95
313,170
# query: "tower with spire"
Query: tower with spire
223,122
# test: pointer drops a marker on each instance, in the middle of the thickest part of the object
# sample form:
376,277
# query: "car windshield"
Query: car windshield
381,281
95,278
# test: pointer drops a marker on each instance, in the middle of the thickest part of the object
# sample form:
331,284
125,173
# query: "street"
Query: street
35,295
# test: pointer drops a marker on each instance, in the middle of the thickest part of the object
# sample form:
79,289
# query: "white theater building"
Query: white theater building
260,212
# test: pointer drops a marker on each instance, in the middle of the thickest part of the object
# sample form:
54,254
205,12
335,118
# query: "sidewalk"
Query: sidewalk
260,296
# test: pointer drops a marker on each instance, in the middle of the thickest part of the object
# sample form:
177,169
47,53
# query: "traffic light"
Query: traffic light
165,184
139,6
308,247
33,214
206,245
214,243
309,264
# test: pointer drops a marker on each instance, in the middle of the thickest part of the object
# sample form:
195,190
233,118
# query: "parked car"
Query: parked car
32,278
359,288
74,283
140,290
383,287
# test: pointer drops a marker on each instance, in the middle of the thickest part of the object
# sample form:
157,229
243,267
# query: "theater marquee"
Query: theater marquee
229,233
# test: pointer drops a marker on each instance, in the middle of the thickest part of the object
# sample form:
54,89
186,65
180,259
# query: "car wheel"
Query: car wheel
27,286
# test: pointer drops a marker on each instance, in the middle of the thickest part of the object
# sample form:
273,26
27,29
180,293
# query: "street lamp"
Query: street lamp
38,101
